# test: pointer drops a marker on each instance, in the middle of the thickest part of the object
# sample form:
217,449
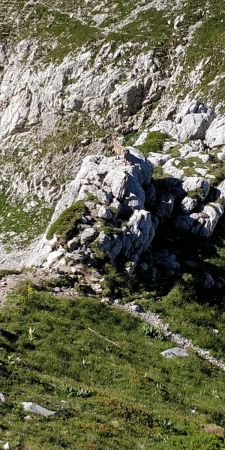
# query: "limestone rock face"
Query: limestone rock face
202,223
58,105
215,136
126,204
30,97
120,185
110,244
191,123
138,234
194,126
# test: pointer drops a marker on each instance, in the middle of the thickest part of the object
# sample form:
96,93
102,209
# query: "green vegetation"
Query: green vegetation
197,193
52,27
190,309
208,45
71,131
151,28
154,143
66,224
118,395
21,224
117,283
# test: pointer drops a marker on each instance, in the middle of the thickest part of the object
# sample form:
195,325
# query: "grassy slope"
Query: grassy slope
189,309
116,397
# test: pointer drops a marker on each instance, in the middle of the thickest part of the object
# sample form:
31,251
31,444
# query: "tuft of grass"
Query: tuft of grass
66,224
153,143
19,225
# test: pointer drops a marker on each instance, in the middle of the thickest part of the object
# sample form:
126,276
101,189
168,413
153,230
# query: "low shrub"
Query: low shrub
153,143
66,224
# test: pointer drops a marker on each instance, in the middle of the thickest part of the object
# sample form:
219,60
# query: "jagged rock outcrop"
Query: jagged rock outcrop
71,76
123,208
191,123
126,199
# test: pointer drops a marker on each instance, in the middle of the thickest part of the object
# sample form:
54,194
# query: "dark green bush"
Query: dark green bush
153,143
66,224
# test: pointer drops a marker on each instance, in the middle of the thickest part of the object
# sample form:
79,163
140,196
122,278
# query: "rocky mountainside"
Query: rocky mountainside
112,230
73,75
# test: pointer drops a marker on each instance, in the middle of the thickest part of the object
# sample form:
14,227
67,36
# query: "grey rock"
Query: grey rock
175,352
202,223
143,169
208,281
37,409
75,257
193,106
198,184
135,308
105,196
53,257
188,204
138,234
110,244
164,259
221,156
105,213
169,168
165,205
185,150
73,244
201,171
88,235
158,159
194,126
215,136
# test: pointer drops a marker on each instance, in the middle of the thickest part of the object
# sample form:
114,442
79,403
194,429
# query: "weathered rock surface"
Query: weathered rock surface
37,409
175,352
215,136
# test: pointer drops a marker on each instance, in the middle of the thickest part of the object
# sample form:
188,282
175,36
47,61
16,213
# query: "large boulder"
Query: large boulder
196,186
191,107
191,123
138,234
202,223
215,136
110,244
194,126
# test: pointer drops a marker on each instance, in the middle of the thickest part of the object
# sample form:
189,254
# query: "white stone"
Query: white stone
215,136
175,352
88,235
37,409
